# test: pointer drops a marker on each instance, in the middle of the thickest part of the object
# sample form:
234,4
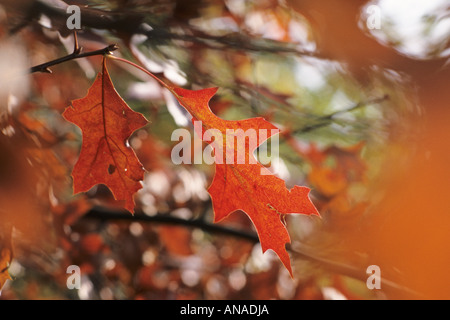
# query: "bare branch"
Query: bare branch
104,214
325,120
75,55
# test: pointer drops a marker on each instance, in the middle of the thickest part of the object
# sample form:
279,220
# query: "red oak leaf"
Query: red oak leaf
106,158
246,184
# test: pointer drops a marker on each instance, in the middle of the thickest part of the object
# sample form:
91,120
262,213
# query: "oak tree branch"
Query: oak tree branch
44,67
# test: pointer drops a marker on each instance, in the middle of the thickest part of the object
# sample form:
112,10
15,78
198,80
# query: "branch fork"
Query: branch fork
76,54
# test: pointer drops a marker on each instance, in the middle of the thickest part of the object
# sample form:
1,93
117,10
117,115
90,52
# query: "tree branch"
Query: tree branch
353,271
235,41
326,119
128,22
76,54
105,214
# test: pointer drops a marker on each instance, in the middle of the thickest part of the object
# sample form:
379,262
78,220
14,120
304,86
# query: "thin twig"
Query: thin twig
233,41
325,120
76,48
75,55
348,270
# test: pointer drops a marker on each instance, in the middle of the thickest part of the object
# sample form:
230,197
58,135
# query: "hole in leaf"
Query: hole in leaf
111,169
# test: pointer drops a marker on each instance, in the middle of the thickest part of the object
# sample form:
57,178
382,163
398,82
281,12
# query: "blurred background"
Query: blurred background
359,89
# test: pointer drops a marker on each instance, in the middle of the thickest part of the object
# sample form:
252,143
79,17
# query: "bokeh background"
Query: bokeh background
364,116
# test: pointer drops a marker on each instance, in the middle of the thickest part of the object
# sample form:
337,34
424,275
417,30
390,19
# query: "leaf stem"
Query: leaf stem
165,85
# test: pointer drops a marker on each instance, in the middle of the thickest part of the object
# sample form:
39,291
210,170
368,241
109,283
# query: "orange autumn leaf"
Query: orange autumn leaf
106,158
92,243
331,179
5,260
246,186
327,181
176,240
